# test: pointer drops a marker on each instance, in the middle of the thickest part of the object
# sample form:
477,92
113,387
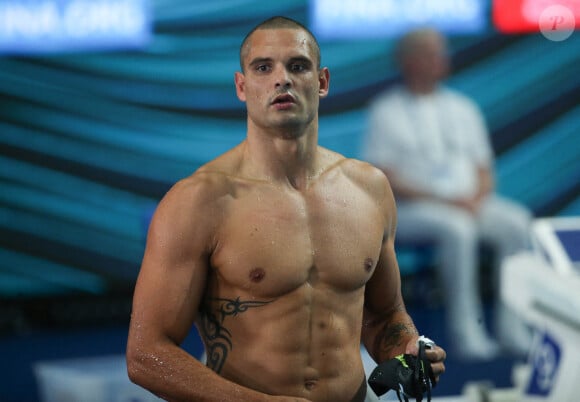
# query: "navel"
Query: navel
310,384
257,275
369,263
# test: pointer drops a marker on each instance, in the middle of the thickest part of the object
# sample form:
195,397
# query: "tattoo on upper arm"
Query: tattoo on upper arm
217,337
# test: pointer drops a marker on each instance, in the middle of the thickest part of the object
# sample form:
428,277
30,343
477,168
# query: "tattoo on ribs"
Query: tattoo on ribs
218,338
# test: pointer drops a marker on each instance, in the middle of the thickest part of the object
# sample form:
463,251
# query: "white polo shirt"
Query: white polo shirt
434,142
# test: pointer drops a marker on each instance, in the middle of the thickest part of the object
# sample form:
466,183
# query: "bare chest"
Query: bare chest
273,242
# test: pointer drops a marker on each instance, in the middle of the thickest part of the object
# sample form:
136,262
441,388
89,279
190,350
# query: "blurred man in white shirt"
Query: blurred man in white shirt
433,145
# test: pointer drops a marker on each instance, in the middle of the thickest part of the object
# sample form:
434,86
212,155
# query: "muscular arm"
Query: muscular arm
167,298
387,328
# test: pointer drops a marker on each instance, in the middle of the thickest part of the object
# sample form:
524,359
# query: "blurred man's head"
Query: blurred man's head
423,58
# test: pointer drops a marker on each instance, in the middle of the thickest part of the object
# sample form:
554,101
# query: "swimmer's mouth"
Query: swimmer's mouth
284,98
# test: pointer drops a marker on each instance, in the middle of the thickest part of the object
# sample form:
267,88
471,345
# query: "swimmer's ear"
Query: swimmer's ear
323,82
240,81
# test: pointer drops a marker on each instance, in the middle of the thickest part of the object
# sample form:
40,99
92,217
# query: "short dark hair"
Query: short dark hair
279,22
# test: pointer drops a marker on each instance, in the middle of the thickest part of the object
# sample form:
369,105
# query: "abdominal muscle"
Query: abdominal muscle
303,344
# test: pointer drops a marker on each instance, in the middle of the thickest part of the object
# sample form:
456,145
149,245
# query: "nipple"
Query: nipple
369,264
257,275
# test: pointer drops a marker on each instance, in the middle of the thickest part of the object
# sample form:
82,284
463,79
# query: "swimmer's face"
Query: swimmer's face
281,83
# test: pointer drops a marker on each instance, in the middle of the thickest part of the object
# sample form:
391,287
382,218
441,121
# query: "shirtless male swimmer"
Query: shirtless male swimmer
279,251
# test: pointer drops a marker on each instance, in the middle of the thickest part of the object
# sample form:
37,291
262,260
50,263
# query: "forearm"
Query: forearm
174,375
386,337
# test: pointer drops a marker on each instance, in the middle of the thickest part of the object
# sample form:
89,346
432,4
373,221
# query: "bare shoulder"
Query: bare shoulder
201,190
207,186
364,175
193,206
188,216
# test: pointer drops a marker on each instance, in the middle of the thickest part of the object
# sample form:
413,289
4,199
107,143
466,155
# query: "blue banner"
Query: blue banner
359,19
45,26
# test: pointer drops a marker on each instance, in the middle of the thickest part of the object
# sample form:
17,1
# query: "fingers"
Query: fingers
438,369
436,356
437,353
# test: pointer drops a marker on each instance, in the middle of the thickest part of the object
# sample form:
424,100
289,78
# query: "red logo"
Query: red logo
524,16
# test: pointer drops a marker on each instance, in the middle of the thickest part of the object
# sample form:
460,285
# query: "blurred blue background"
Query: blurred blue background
91,141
